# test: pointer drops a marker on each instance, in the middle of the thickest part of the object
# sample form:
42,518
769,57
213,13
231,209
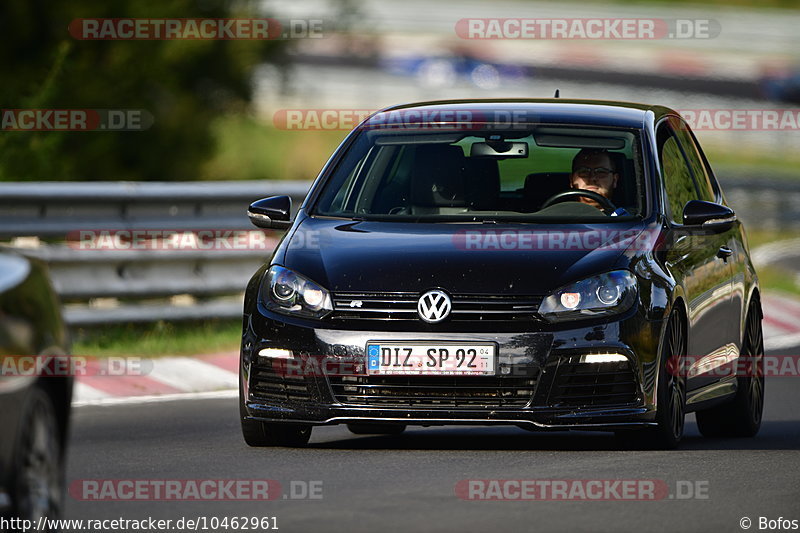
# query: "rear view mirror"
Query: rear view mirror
271,213
708,215
499,149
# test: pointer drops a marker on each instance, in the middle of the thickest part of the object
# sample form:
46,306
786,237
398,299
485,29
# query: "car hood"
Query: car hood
366,256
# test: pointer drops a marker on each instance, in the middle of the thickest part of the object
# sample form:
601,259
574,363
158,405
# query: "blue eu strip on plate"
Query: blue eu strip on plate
374,353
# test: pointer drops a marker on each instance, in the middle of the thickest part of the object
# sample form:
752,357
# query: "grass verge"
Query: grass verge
252,149
776,279
158,339
758,166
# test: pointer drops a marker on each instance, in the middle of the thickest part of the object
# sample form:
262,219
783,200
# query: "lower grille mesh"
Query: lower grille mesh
433,391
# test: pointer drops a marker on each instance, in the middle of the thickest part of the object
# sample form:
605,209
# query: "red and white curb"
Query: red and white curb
216,376
781,311
208,376
781,321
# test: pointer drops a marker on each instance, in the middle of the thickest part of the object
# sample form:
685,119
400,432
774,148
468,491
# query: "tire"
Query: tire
670,394
259,434
376,429
742,416
39,469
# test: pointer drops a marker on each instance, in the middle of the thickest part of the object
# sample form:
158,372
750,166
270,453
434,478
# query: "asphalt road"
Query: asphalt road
407,482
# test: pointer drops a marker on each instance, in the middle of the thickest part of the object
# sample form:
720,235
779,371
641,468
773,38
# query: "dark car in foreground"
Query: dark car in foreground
35,394
446,268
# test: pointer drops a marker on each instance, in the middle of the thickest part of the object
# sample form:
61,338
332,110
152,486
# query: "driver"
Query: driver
593,170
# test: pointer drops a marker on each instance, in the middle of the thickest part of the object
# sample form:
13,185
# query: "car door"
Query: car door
732,248
694,258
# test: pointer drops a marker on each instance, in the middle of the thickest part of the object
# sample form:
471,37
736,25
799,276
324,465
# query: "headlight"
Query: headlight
290,293
606,294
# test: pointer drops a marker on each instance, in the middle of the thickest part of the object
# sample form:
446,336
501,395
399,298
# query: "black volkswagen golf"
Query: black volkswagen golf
549,264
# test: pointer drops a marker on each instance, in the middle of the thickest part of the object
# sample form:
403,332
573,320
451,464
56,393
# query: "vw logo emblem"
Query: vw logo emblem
434,306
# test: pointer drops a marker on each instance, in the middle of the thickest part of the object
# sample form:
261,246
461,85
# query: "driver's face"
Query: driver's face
591,173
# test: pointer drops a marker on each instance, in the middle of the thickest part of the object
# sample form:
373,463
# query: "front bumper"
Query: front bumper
541,381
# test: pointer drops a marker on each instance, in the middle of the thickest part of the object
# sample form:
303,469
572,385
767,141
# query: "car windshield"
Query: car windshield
481,175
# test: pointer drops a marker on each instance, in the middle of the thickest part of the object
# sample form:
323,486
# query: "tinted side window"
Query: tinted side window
678,182
704,186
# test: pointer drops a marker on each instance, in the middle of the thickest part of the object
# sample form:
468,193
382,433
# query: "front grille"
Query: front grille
593,384
266,384
433,391
403,306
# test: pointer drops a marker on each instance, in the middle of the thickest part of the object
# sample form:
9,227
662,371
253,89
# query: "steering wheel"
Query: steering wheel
608,205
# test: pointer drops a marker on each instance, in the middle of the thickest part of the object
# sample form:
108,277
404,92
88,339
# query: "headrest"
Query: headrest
438,176
625,192
483,184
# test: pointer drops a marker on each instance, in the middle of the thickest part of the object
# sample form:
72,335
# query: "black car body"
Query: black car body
34,401
642,318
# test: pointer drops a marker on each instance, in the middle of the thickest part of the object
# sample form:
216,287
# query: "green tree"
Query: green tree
183,84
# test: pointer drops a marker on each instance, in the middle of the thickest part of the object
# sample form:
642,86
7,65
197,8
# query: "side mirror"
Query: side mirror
271,213
709,215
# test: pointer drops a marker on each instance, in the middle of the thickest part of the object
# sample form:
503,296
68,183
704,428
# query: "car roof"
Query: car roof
524,110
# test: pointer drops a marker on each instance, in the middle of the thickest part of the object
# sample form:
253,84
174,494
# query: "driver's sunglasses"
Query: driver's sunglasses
599,172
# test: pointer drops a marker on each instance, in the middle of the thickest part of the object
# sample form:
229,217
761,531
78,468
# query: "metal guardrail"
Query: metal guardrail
103,287
100,286
52,209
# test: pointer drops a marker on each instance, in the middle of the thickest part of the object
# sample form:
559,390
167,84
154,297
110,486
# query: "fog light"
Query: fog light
275,353
603,358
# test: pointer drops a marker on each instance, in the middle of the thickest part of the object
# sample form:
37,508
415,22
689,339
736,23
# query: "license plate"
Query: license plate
430,359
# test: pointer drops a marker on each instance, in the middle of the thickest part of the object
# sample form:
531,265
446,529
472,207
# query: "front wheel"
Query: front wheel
39,472
742,416
670,394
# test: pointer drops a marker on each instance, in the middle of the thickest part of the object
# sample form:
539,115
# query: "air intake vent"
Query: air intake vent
593,384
